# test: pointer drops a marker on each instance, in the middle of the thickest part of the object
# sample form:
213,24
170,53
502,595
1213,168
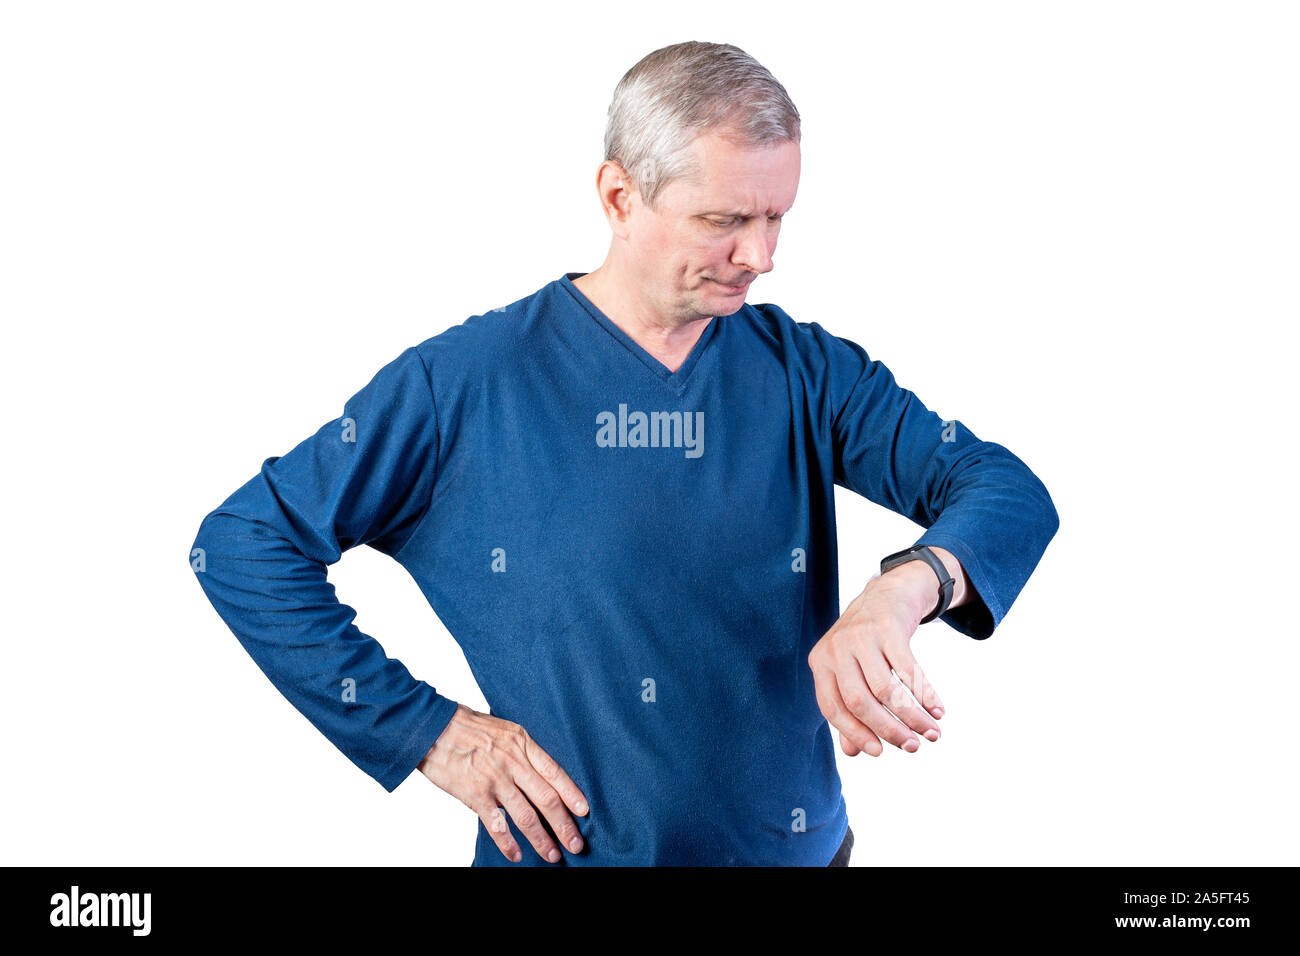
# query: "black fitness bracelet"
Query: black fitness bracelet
922,553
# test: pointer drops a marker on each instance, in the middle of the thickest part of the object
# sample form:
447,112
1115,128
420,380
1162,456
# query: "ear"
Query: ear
615,189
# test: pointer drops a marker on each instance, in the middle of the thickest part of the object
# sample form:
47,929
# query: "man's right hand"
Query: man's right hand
487,763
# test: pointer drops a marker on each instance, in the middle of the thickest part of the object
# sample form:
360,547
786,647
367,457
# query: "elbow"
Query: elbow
220,532
198,556
1049,520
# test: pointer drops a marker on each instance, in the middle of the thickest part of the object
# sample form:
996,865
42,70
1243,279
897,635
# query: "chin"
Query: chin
727,304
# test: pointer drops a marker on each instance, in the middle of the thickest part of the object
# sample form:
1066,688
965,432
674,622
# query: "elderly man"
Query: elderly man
617,493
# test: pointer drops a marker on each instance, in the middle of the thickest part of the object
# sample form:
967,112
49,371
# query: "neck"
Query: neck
668,338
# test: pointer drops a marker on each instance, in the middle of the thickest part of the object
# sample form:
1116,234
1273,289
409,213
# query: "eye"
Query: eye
731,222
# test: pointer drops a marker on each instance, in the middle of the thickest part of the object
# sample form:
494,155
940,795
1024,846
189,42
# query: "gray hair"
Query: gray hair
679,92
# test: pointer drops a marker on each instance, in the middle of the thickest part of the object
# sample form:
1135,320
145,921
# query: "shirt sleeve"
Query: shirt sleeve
261,557
975,498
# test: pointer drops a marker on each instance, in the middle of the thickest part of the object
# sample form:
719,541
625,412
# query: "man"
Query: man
617,493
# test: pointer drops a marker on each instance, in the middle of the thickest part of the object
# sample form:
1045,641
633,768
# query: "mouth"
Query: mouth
731,289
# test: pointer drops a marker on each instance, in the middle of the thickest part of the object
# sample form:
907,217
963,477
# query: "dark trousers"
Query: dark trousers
842,854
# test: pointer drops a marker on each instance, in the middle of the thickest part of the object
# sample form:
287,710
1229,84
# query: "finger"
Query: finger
914,678
855,736
897,700
548,800
554,774
494,818
862,697
529,823
919,699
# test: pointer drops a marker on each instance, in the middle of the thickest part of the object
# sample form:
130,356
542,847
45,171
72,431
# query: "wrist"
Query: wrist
914,582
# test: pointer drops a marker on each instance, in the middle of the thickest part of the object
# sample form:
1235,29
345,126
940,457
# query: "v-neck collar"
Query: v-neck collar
675,380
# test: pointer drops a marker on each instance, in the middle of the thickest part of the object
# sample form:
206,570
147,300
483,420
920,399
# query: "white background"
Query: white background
1073,226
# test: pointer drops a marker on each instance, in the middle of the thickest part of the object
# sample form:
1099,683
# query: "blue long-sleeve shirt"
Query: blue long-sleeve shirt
635,562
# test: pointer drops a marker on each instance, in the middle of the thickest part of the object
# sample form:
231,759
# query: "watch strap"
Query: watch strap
921,552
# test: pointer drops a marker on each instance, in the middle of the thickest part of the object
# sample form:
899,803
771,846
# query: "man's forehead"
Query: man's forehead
719,185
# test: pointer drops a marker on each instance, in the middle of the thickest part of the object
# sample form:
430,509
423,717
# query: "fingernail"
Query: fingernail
576,844
911,746
937,711
932,734
582,807
516,856
554,855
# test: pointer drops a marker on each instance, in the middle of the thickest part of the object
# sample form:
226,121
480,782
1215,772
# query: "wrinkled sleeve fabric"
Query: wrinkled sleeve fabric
975,498
261,557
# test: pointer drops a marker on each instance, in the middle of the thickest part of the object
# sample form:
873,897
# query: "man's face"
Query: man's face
711,238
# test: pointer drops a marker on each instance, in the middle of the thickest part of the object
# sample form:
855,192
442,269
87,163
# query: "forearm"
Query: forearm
281,607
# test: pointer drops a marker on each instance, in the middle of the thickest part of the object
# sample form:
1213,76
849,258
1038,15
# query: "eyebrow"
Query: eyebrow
737,214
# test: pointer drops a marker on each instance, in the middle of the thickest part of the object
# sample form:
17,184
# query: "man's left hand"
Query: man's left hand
868,684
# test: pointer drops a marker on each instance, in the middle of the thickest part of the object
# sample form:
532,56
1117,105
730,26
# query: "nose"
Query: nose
752,251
